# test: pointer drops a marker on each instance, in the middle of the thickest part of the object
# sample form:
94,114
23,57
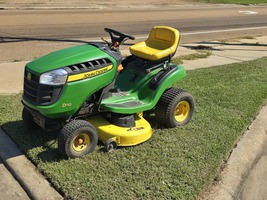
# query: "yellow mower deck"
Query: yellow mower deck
124,136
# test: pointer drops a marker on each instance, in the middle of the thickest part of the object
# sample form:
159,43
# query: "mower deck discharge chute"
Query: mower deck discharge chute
91,93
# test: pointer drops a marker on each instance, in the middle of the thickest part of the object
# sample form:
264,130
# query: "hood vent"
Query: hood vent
88,66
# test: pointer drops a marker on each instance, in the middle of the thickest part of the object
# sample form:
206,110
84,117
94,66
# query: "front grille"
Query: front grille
87,66
40,94
37,93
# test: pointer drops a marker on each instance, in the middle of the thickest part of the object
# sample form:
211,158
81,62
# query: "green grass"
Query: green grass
175,163
244,2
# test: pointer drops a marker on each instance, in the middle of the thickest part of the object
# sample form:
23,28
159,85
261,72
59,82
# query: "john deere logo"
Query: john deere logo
29,76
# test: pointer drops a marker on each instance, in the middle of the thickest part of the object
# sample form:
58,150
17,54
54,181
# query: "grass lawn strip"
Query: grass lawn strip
200,54
176,163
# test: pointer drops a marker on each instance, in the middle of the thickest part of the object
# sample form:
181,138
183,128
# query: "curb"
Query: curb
242,160
24,171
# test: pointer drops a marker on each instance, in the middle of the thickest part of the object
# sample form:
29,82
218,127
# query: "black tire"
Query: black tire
77,138
110,145
28,120
175,108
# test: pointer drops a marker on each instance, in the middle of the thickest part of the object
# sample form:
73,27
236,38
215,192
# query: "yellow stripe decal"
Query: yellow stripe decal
90,74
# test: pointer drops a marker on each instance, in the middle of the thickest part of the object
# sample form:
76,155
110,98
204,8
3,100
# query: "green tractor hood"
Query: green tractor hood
65,57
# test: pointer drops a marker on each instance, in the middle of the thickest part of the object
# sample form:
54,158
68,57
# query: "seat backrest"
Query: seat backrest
167,35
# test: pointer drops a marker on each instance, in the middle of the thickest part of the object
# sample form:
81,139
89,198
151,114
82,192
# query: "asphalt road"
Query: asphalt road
26,34
89,23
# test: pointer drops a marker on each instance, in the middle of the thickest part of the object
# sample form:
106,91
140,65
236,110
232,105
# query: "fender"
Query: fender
158,79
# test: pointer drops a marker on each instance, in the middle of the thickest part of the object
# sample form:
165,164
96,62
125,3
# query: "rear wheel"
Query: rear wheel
174,108
77,138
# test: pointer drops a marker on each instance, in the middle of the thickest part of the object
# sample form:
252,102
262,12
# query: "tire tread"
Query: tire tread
64,136
165,104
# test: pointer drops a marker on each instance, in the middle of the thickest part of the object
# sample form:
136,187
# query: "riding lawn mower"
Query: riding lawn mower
90,92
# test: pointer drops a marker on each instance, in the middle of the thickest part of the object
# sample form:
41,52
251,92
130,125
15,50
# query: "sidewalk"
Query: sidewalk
239,164
9,187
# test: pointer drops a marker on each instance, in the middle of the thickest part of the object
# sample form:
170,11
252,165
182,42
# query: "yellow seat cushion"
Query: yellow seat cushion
161,43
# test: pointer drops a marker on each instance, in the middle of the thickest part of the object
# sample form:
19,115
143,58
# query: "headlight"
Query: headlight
55,77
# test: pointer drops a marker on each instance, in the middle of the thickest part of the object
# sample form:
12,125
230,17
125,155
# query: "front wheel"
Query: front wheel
77,138
175,108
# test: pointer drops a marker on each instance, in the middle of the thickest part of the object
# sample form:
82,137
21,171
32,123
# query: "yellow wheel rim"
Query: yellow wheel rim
181,111
81,142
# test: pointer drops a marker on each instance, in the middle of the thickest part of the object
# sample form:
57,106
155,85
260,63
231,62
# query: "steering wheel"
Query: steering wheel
117,37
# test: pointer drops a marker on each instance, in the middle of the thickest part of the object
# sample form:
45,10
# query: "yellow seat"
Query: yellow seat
161,43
